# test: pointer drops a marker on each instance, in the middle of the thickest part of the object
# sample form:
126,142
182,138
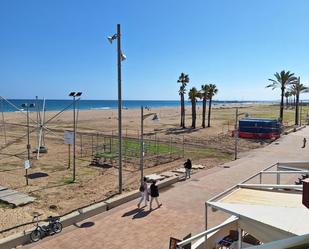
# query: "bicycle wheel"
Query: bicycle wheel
35,235
57,227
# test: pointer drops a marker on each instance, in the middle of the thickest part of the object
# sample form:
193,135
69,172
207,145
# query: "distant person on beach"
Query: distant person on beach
154,193
143,189
304,142
188,167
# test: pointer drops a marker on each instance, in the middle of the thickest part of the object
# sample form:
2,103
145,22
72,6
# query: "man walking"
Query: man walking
188,167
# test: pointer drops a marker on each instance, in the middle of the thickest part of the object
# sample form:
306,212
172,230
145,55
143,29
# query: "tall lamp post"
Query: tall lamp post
74,95
236,132
120,57
27,106
143,117
301,112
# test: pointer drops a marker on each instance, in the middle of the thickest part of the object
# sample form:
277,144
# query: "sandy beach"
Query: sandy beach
52,188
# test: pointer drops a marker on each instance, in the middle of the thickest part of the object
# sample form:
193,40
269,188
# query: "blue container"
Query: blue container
259,125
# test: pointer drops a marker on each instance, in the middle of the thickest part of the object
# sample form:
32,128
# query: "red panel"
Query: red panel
259,135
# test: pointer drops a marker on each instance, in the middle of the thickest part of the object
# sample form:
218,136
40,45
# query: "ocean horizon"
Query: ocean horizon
15,105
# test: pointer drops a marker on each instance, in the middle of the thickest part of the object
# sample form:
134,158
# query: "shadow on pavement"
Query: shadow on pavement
132,212
141,214
85,224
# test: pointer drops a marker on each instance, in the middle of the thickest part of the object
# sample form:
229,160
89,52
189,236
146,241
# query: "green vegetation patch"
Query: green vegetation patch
133,147
68,181
208,153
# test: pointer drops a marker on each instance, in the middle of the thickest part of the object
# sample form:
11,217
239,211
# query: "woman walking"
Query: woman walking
144,193
154,192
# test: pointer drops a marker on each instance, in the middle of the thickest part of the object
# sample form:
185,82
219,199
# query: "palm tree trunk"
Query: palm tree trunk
193,113
281,104
182,111
204,112
286,102
209,111
296,109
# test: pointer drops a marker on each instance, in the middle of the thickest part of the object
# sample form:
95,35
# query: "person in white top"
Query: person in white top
144,193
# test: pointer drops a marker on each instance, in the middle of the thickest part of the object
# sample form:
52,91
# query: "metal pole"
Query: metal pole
74,138
183,146
236,133
119,108
69,163
142,144
3,122
28,139
301,110
38,123
278,176
260,178
239,238
206,224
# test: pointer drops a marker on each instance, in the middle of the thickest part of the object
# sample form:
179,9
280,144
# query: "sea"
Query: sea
15,105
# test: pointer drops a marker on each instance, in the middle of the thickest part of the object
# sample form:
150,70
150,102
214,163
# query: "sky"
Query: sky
49,48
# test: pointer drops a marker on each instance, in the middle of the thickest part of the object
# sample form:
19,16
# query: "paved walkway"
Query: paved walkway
183,205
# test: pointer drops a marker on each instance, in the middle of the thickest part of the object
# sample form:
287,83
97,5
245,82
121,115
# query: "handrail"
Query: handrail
286,172
235,186
290,168
277,186
202,234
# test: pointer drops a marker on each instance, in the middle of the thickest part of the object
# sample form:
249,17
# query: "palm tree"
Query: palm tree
298,88
184,80
213,90
204,94
193,94
283,80
287,94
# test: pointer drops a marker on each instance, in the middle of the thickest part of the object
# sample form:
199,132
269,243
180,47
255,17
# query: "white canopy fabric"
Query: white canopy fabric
267,215
290,243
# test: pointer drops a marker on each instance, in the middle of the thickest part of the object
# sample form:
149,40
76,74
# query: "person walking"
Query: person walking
154,193
188,167
143,189
304,142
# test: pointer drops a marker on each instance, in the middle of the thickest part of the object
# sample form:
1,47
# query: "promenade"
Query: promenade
182,212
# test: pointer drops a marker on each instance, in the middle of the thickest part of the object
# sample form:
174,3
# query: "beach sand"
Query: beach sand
56,196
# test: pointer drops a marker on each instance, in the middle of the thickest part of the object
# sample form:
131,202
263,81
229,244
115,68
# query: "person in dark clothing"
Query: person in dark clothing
304,142
188,167
154,193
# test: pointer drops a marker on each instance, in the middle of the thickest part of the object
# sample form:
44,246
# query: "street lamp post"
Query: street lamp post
120,57
142,144
301,112
27,106
74,95
143,117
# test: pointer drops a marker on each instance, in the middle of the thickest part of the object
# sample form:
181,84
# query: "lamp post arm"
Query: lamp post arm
148,115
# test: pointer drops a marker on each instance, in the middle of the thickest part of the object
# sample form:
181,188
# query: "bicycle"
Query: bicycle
54,226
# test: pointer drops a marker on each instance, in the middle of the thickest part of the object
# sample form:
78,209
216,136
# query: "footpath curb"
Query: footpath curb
22,238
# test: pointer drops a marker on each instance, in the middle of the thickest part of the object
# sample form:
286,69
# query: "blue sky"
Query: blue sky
49,48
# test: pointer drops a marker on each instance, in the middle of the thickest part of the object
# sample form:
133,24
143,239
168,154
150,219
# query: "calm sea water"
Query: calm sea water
12,105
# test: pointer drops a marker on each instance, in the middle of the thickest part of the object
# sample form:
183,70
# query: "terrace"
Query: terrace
265,208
